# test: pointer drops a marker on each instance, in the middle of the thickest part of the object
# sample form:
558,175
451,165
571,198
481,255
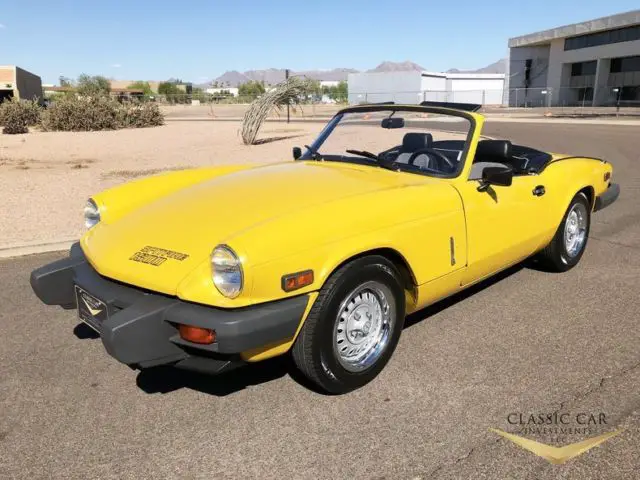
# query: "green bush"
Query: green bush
17,115
84,114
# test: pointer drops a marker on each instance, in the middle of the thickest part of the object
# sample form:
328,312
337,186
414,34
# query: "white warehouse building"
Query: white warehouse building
596,62
413,87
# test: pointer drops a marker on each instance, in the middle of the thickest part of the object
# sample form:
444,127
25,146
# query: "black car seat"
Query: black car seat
490,153
413,142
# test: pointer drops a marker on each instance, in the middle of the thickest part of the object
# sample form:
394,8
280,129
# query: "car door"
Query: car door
504,224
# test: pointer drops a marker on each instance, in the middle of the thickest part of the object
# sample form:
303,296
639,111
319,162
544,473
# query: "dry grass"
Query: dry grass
129,174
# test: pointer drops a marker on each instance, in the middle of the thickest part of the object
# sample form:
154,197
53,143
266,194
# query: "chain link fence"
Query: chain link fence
585,100
563,101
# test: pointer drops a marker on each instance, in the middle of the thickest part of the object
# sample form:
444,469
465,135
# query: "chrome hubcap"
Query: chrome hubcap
363,326
575,230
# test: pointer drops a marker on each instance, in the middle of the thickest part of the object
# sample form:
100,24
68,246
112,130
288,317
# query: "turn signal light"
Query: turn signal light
204,336
294,281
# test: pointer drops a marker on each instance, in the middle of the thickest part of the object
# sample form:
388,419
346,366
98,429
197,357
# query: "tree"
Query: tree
173,93
93,85
339,93
168,88
251,89
315,88
65,81
141,85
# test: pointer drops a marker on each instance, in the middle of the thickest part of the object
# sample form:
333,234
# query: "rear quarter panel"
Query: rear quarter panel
564,178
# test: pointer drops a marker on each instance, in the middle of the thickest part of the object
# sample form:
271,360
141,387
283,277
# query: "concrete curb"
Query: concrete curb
31,249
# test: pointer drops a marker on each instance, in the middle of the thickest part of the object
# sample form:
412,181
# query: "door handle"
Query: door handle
539,191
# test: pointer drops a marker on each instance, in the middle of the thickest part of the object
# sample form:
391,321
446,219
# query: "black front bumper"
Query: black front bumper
142,327
607,198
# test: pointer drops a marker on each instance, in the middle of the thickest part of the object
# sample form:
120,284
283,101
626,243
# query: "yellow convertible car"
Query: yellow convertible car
390,209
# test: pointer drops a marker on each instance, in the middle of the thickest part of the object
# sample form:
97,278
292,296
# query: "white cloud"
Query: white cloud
2,25
115,65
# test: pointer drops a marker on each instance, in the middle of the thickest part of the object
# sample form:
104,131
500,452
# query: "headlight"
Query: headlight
226,270
91,214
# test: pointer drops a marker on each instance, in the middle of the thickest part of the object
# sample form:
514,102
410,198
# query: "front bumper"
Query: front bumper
142,327
607,198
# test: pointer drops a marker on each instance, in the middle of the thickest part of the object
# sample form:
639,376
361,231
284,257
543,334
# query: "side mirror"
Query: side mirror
297,153
499,176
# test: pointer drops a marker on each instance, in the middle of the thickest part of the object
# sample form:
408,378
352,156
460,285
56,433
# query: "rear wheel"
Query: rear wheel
353,327
568,244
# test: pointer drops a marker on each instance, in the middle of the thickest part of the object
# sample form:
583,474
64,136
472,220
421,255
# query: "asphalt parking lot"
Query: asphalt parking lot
528,342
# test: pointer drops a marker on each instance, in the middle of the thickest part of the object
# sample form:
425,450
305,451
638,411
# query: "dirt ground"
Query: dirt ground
237,111
46,177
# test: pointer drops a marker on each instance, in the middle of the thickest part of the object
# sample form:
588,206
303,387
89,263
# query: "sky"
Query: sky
199,40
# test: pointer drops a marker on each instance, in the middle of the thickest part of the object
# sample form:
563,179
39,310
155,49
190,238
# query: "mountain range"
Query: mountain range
233,78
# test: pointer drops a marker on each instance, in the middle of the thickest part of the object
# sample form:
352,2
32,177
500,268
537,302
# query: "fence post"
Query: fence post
483,96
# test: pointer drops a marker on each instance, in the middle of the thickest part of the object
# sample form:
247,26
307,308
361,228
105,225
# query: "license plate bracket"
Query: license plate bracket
91,310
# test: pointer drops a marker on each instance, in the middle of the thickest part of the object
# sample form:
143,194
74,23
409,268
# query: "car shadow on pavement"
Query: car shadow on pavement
84,332
168,379
433,309
165,379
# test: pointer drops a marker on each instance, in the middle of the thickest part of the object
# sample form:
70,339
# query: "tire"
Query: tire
345,318
558,256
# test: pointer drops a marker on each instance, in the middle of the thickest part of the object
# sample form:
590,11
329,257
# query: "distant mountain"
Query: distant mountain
497,67
271,76
232,78
406,66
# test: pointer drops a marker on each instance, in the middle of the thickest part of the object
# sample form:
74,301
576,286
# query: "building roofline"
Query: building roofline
460,75
590,26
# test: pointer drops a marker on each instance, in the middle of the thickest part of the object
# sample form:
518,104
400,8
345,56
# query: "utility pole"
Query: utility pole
286,76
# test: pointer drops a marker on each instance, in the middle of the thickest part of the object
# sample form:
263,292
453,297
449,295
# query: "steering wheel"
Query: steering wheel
427,151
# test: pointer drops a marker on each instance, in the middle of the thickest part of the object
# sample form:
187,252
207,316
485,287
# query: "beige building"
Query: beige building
124,84
18,83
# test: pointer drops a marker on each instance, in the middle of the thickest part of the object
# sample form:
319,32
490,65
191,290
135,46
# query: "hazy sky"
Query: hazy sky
198,40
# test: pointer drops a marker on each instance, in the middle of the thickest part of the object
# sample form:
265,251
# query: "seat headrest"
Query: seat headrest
494,148
414,141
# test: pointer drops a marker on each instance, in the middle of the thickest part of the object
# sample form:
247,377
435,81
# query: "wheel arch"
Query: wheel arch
589,191
409,282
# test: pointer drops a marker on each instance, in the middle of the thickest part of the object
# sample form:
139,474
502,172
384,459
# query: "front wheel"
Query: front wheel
568,244
353,327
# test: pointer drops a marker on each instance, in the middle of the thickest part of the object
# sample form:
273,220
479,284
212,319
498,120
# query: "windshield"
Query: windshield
408,139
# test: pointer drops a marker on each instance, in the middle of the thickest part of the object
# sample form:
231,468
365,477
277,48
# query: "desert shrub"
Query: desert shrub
83,114
140,115
17,115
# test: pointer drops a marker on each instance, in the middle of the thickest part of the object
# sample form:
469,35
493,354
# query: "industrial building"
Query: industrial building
413,87
595,63
18,83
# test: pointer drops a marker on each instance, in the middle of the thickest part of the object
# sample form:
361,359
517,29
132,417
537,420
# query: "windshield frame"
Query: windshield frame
316,146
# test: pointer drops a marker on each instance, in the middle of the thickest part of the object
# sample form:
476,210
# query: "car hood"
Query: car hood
157,245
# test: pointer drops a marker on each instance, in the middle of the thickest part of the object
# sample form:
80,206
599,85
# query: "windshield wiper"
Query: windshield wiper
380,160
315,154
